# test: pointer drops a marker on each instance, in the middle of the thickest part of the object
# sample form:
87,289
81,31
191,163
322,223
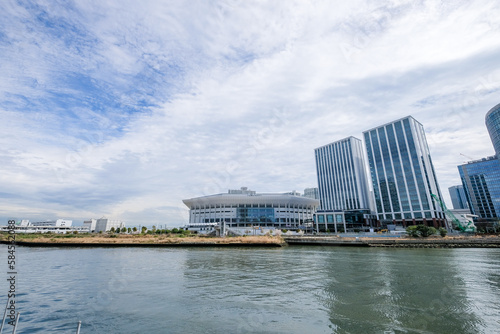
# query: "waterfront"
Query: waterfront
248,290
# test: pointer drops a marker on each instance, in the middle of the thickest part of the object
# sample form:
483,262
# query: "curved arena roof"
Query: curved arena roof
237,199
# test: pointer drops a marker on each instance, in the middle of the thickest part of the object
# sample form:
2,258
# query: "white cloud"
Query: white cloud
124,109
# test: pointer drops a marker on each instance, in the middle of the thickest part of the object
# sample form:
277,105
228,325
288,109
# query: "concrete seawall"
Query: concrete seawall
330,241
472,242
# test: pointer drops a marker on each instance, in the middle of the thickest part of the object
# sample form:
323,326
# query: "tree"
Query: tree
426,231
412,231
129,230
124,229
112,230
442,232
144,229
134,229
420,231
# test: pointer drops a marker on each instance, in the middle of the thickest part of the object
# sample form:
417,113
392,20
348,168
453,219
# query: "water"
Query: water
284,290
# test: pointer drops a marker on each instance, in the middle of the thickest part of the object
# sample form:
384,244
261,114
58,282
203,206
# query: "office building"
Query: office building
403,175
458,198
481,181
311,193
493,126
342,180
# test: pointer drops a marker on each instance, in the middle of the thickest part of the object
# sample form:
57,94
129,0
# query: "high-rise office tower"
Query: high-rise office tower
493,126
481,181
458,198
311,193
402,173
342,180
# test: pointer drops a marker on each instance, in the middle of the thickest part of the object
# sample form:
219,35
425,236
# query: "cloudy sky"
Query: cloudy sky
124,108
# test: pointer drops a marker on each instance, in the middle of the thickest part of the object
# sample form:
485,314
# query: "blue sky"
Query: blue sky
124,108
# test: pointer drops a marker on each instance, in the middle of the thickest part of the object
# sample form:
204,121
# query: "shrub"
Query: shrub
75,232
412,231
420,231
442,232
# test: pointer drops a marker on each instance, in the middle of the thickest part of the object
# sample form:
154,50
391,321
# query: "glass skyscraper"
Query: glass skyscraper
458,198
481,180
493,126
342,180
402,173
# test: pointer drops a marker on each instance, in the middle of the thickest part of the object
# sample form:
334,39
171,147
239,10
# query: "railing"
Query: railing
17,320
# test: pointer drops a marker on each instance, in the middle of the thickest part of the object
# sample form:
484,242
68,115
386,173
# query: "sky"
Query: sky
121,109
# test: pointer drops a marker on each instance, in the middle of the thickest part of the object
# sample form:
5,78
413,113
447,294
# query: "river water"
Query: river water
256,290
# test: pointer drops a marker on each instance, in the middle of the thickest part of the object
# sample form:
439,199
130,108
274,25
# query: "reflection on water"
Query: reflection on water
285,290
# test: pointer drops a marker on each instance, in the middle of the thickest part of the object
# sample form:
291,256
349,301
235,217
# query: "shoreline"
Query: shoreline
149,241
430,242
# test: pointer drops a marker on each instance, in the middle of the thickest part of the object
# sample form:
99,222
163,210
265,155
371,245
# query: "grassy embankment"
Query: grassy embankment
111,238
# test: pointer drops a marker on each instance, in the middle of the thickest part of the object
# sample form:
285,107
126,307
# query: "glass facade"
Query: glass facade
255,215
493,126
402,172
458,198
342,180
481,182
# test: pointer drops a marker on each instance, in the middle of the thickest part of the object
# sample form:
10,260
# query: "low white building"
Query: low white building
464,216
90,224
58,226
105,224
57,223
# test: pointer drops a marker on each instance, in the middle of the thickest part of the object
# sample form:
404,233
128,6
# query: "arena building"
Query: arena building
245,208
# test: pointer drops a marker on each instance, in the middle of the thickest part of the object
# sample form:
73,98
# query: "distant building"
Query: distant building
493,125
458,198
105,224
90,224
342,180
57,223
49,226
311,193
247,209
403,174
481,182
